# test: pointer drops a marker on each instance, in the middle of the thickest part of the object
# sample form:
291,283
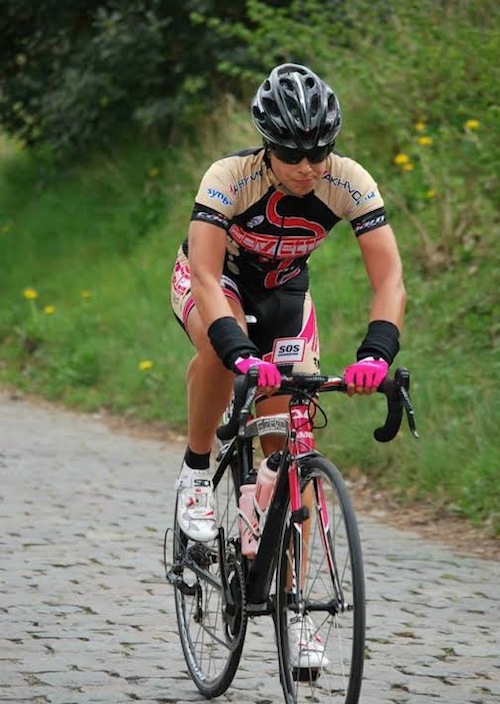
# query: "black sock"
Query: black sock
195,461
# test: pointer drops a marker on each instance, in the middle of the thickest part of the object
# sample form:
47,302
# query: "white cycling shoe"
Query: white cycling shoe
306,649
195,504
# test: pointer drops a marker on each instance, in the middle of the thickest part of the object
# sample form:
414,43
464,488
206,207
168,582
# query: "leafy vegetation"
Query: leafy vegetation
87,251
72,75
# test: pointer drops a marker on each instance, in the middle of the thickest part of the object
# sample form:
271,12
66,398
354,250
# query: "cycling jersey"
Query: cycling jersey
271,234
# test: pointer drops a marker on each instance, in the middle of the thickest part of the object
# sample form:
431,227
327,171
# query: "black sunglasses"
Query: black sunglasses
295,156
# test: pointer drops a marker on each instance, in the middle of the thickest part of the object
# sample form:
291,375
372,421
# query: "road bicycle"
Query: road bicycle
309,561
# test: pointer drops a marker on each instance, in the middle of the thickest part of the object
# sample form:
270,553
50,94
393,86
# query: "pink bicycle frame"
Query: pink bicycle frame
302,442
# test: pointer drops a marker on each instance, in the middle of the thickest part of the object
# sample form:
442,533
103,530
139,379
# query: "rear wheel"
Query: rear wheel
212,624
323,618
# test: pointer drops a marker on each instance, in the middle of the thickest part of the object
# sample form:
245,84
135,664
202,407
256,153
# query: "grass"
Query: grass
97,245
109,340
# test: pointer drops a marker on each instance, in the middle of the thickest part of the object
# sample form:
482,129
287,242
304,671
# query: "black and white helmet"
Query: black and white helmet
294,108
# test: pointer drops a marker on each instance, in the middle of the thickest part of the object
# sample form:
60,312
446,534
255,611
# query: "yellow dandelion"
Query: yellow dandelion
408,167
425,140
420,126
431,193
6,228
49,310
30,294
145,364
154,172
401,159
85,295
472,124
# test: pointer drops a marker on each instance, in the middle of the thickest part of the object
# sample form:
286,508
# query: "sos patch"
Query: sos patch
288,350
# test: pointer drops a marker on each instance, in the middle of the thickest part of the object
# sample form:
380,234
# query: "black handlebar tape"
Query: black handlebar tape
242,384
395,405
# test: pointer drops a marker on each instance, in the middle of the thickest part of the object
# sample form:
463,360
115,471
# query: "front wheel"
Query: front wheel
320,619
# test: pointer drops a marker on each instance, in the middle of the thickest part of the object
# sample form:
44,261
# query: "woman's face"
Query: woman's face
299,178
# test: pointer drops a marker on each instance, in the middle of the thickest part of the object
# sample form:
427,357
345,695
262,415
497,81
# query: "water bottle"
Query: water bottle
266,479
249,523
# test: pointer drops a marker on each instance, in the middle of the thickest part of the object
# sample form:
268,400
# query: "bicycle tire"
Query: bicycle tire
212,639
341,626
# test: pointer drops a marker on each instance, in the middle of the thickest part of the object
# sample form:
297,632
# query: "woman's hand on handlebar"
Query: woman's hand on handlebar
268,375
365,376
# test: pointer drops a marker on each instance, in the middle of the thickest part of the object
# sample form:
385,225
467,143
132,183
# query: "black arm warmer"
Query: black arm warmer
381,340
230,342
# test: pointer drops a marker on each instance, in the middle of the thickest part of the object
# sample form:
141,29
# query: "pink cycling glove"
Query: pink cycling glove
268,373
368,373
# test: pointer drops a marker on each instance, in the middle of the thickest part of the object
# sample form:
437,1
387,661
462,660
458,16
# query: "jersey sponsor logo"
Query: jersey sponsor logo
346,185
284,221
285,248
257,220
218,195
211,218
369,224
244,181
279,247
273,247
287,350
285,271
300,246
181,279
369,196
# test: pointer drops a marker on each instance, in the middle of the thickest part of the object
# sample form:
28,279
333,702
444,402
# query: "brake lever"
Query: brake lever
398,398
410,413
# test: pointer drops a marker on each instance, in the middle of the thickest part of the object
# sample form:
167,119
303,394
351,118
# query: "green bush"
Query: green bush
71,75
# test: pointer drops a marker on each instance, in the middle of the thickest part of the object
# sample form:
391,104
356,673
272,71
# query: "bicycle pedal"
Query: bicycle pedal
177,581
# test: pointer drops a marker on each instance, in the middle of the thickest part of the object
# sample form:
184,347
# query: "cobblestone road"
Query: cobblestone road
86,615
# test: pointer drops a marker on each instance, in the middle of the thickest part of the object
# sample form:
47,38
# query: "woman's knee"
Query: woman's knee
207,363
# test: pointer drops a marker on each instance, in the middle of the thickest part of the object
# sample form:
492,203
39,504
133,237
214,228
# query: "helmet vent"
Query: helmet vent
315,106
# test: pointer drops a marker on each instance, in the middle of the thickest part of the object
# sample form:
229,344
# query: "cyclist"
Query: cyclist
257,217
